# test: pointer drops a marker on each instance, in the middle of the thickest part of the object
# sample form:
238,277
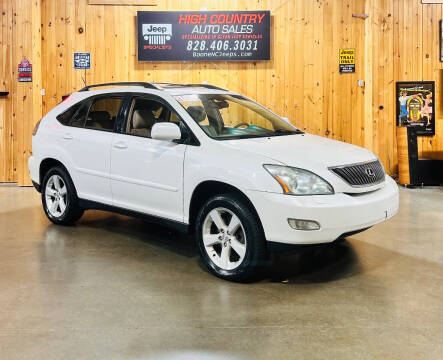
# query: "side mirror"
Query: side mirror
166,131
286,119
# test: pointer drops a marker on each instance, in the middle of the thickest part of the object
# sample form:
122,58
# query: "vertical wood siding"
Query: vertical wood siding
399,41
19,37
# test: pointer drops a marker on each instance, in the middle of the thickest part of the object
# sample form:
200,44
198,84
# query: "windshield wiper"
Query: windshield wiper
287,132
245,136
279,132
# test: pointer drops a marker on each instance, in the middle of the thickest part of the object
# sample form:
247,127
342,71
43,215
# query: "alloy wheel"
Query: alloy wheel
224,238
56,196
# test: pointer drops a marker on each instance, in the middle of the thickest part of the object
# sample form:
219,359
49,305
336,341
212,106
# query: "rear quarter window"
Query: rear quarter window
75,115
66,116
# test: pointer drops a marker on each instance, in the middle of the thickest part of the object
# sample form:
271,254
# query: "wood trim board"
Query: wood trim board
123,2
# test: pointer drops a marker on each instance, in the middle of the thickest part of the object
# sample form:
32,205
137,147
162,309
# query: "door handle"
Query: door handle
120,145
68,137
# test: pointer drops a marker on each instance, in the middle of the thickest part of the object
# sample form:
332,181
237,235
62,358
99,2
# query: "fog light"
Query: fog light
298,224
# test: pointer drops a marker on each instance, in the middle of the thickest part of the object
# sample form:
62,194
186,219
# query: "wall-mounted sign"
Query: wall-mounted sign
203,35
346,61
25,71
82,60
415,105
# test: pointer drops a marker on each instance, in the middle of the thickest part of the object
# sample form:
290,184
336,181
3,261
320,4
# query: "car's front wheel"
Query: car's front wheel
230,238
59,197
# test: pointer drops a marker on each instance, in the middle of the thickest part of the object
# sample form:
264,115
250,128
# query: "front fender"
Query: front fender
242,171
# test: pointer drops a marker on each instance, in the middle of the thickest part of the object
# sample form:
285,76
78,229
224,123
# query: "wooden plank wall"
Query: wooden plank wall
20,37
6,118
405,46
301,81
399,41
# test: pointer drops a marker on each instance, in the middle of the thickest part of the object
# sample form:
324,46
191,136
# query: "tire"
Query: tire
234,255
59,197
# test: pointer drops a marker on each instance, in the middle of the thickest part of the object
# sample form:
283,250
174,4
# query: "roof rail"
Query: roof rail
135,83
148,85
207,86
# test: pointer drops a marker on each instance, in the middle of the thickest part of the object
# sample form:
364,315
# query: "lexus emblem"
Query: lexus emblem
369,172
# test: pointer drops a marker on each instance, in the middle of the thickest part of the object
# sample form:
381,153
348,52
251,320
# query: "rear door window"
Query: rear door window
103,113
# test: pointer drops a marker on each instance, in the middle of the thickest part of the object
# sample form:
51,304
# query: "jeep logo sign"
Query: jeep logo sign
156,29
157,34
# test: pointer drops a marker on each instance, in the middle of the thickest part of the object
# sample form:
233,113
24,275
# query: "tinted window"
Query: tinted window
145,113
79,118
103,113
65,118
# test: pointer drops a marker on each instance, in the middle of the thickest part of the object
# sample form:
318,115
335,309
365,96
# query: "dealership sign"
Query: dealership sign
25,71
203,35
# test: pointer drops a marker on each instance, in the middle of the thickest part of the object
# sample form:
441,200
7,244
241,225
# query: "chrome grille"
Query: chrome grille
363,174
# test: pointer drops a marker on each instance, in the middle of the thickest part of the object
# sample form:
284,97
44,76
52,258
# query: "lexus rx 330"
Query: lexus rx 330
209,161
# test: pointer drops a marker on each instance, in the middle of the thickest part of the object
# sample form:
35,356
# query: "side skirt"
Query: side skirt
93,205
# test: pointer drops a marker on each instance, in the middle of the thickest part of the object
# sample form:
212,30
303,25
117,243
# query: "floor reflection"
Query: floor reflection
194,355
320,263
121,288
56,264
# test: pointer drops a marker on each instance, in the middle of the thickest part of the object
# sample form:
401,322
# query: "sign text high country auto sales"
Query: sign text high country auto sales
203,35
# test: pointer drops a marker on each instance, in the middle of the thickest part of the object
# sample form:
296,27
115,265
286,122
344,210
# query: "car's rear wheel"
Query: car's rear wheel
230,238
59,197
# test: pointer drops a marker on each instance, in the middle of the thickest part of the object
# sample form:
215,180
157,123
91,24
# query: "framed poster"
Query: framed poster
203,35
416,106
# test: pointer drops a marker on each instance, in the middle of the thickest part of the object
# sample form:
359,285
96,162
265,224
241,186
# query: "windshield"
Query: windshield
225,117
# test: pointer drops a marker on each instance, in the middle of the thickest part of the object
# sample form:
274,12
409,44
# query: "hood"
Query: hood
305,151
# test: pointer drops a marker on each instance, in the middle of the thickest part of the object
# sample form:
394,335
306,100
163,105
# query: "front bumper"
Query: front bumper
337,214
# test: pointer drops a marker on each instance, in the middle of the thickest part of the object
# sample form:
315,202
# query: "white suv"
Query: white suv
206,160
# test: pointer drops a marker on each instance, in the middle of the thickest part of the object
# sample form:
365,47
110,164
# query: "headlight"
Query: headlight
296,181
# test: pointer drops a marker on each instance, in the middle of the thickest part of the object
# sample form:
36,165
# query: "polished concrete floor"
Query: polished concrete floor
113,287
